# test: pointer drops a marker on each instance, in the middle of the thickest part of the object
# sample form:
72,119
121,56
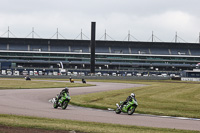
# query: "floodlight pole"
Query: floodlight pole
105,35
176,37
199,37
129,35
81,35
8,31
32,32
57,33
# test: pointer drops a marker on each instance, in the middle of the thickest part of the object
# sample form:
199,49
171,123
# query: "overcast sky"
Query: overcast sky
117,17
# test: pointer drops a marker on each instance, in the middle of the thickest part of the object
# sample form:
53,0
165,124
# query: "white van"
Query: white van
128,74
138,74
3,72
75,73
31,73
114,74
62,71
9,72
40,72
55,73
35,73
50,73
164,75
25,72
82,74
98,74
16,73
105,74
69,73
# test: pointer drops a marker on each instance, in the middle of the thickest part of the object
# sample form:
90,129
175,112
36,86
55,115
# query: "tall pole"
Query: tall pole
176,38
152,36
105,35
92,46
81,35
129,35
33,32
8,31
57,33
199,37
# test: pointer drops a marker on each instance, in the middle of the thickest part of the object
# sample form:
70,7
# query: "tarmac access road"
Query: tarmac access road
34,102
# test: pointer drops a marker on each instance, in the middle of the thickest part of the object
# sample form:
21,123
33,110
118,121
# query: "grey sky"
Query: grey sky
117,17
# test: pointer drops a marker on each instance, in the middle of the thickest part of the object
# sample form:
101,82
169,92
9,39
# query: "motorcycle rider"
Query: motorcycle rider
83,81
129,98
66,90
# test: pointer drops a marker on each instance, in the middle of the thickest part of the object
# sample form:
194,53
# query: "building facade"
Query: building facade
122,57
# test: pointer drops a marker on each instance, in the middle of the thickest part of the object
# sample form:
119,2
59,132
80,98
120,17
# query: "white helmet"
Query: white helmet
132,95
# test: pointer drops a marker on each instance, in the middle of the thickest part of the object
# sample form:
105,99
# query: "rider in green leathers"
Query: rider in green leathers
66,90
129,98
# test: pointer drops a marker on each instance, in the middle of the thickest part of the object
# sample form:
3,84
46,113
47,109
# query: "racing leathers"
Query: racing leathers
129,98
66,90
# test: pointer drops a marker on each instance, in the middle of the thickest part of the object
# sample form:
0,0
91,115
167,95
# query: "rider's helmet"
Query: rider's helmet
132,95
66,90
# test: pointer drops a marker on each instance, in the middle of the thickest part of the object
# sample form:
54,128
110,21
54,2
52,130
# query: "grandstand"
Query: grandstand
121,57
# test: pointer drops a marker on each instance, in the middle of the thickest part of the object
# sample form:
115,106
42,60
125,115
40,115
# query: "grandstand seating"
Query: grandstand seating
37,47
120,50
80,49
102,49
3,46
195,51
159,51
59,48
18,47
138,50
179,51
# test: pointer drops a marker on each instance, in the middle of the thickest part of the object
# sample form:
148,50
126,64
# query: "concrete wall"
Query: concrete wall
189,79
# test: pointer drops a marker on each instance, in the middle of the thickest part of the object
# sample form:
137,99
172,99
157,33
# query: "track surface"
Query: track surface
34,102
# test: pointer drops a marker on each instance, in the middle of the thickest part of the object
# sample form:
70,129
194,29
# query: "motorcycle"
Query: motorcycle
129,107
63,101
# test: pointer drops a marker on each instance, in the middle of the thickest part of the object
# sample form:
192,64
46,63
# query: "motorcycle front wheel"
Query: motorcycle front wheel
131,111
55,105
65,104
118,111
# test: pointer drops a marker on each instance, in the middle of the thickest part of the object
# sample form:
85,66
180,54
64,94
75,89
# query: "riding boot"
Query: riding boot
58,99
121,106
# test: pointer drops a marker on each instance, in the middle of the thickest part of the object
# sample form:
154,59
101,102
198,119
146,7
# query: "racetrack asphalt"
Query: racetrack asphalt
34,102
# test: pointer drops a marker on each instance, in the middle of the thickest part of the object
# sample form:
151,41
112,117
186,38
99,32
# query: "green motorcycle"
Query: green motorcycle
129,107
63,101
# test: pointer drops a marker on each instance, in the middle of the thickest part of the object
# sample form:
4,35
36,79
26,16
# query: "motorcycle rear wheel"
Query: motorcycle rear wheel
131,111
64,104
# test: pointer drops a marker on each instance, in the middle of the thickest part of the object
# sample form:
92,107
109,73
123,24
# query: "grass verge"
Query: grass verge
170,98
23,84
69,125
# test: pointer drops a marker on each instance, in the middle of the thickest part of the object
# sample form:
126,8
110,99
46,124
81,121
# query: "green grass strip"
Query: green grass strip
69,125
170,98
23,84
